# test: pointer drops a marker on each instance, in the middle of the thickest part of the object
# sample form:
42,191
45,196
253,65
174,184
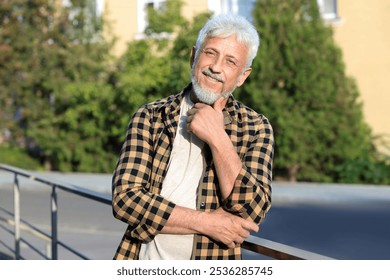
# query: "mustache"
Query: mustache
217,77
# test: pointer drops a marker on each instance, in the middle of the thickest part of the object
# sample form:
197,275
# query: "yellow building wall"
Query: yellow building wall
192,8
364,36
121,16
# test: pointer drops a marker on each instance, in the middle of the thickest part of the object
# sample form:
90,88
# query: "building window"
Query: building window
143,6
99,7
156,4
239,7
328,10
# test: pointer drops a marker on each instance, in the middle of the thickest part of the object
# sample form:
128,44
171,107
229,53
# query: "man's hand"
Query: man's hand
206,121
226,227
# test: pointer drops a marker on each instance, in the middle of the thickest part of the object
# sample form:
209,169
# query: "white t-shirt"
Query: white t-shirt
185,169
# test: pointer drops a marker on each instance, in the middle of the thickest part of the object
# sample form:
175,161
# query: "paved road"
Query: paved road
343,222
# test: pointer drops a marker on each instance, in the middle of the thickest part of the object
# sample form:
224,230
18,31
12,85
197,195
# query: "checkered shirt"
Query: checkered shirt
142,166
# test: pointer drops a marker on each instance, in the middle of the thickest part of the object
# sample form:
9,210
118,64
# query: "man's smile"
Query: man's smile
213,77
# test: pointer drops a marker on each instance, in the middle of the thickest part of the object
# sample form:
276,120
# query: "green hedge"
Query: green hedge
19,158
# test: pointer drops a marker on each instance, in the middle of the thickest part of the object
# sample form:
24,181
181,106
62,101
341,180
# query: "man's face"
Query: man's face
220,67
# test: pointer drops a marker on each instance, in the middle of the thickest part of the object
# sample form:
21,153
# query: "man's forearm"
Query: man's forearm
227,163
182,221
218,225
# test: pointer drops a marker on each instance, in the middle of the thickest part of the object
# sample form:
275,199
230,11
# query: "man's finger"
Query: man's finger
244,233
250,226
191,111
239,240
231,245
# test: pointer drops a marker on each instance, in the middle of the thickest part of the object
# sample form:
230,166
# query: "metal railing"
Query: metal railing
254,244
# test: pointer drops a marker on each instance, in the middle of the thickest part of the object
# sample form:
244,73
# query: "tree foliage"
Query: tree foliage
67,101
140,77
51,60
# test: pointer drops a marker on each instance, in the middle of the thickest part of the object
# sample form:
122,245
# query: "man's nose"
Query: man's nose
217,65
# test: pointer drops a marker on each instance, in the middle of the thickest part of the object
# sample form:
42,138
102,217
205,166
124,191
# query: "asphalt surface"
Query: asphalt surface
338,221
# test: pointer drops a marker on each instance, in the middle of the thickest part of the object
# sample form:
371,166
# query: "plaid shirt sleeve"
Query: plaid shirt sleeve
251,194
133,200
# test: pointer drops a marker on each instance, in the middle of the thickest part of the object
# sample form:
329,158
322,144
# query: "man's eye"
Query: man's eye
231,62
209,53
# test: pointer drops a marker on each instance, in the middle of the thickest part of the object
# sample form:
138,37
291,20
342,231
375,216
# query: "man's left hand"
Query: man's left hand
206,121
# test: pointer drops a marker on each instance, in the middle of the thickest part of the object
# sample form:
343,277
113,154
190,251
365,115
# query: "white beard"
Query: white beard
207,96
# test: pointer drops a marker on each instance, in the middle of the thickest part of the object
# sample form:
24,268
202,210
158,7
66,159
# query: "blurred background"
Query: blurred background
72,72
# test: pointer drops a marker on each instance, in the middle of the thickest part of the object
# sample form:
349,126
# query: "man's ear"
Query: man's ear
243,76
192,55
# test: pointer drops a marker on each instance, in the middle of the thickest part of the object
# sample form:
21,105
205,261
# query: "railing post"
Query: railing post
54,243
17,217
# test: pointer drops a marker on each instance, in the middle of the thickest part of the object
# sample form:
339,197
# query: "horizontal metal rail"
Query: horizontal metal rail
103,198
279,251
254,244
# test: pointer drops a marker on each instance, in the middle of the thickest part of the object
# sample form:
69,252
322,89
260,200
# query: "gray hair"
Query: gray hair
226,25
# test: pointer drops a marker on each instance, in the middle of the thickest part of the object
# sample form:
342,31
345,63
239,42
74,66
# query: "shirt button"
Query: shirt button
202,204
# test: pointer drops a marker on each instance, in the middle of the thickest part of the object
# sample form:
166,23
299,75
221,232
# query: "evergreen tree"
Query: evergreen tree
54,78
21,61
299,83
141,76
